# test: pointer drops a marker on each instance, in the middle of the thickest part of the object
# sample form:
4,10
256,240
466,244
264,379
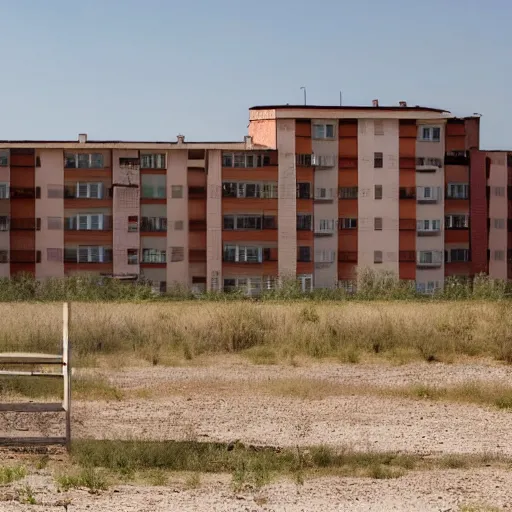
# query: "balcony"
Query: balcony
197,225
324,195
323,161
347,257
407,224
25,192
456,158
25,256
153,224
406,256
249,222
428,195
88,223
428,164
429,259
324,230
347,163
428,232
92,254
407,193
197,192
197,255
25,224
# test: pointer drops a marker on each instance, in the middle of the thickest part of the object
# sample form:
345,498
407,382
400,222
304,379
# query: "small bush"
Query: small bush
9,474
93,479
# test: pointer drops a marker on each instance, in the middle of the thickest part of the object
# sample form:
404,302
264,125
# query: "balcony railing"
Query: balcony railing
347,256
407,256
25,192
72,224
153,224
323,161
428,232
456,158
426,164
25,256
25,224
407,224
407,193
197,225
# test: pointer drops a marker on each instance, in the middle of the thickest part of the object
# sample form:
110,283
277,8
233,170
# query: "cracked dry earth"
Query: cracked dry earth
231,400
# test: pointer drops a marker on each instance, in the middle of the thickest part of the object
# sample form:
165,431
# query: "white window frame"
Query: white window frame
4,190
93,254
429,193
246,253
320,131
150,255
89,221
348,223
85,190
428,225
436,257
452,191
325,256
305,282
426,133
323,193
449,221
449,255
152,161
326,226
92,159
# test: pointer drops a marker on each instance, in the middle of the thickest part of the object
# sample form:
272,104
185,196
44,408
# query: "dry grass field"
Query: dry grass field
236,406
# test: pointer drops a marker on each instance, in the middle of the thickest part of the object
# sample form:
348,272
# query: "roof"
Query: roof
348,107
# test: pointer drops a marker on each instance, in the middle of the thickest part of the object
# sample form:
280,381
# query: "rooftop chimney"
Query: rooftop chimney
82,138
375,103
403,103
248,142
181,139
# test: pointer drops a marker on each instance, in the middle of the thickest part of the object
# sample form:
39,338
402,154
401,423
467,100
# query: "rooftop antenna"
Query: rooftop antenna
304,89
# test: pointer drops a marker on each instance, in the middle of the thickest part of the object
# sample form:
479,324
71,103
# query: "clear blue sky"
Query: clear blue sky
150,69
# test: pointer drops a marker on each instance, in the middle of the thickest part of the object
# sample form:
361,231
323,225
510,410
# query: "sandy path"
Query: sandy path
423,492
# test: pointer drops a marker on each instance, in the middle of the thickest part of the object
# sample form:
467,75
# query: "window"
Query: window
429,162
129,162
133,224
93,222
499,255
348,193
55,191
152,161
54,255
91,254
303,160
177,254
457,221
304,254
429,287
325,256
83,161
377,256
347,285
89,190
430,194
4,223
430,257
499,191
323,131
323,193
304,222
378,127
303,190
242,222
305,282
430,133
428,225
243,160
252,190
243,254
4,158
378,191
54,222
499,223
325,226
457,191
348,223
457,255
153,224
377,223
378,160
132,256
153,256
4,190
176,191
4,256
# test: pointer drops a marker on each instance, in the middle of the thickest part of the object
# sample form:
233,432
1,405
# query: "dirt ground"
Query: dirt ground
225,402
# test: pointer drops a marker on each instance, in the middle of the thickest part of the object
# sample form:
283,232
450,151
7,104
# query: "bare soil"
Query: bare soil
225,402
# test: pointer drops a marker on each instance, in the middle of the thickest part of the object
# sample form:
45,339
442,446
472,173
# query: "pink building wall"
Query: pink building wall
50,178
177,210
126,203
498,209
214,221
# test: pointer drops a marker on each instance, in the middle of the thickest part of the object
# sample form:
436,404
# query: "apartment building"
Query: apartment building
313,193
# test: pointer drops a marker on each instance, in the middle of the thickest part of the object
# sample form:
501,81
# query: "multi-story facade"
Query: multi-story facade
312,193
